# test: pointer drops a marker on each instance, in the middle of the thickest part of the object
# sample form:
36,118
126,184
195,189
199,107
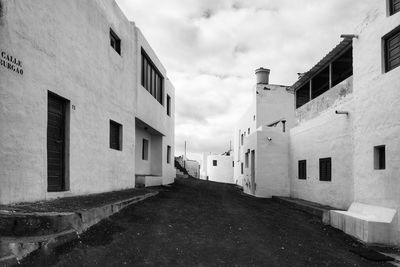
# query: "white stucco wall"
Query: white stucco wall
64,47
223,172
327,135
270,103
193,168
377,120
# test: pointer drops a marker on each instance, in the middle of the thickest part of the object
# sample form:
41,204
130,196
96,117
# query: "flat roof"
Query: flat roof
339,49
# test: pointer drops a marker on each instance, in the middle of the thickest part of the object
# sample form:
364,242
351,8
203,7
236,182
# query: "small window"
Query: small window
168,105
168,154
145,149
241,167
241,141
394,6
115,42
254,117
233,164
302,169
325,169
115,135
246,160
379,158
248,131
392,50
214,163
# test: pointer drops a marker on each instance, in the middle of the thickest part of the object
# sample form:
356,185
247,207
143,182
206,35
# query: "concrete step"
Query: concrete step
315,209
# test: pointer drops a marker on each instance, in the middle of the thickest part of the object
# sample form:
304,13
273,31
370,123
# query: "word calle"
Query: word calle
11,63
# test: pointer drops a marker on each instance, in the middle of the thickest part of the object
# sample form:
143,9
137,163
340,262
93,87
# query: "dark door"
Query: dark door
253,172
55,143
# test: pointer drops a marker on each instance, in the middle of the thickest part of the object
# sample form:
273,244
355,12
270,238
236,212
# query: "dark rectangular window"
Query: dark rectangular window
152,80
241,167
325,169
394,6
248,131
214,163
168,105
115,135
379,158
302,169
145,149
246,160
392,50
233,164
115,42
168,154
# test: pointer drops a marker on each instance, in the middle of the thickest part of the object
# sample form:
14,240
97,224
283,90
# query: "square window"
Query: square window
379,158
214,163
145,149
392,50
168,154
115,42
302,169
325,169
115,135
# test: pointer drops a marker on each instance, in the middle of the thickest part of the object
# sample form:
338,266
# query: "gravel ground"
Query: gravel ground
199,223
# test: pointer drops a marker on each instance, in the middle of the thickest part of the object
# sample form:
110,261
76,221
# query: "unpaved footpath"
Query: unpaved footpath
199,223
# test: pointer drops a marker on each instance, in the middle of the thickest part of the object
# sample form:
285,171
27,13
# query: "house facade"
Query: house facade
217,167
344,144
85,104
261,139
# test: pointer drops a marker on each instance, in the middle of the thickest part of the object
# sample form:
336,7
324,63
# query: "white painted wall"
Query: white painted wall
64,48
327,135
223,172
377,120
193,168
270,103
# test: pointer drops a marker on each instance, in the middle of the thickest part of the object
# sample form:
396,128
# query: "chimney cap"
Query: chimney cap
261,69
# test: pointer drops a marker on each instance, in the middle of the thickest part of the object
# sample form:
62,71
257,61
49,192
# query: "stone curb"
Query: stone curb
59,227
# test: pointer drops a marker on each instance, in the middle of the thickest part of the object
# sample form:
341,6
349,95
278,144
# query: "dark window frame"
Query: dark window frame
302,169
394,6
386,40
145,149
215,163
380,157
241,168
325,169
115,41
151,78
115,135
168,105
168,154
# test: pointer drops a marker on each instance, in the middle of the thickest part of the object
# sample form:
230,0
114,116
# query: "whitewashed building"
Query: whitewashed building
85,104
344,143
261,139
218,168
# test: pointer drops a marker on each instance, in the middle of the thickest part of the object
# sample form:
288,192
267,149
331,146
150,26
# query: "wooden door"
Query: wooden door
55,144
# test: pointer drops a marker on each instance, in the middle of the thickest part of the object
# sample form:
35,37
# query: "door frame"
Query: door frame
64,102
253,171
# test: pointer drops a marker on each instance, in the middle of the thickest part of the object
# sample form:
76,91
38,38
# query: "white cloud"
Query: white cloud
211,49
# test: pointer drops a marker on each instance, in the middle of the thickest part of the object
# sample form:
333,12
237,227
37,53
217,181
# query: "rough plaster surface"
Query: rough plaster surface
72,57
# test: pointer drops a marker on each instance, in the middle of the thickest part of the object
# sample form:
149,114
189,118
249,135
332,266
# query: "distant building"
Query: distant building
218,168
341,144
191,166
85,107
261,140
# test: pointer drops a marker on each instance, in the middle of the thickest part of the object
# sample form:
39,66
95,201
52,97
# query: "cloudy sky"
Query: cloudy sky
212,47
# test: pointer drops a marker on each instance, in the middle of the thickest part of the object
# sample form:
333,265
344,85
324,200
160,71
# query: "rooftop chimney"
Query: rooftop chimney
262,76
